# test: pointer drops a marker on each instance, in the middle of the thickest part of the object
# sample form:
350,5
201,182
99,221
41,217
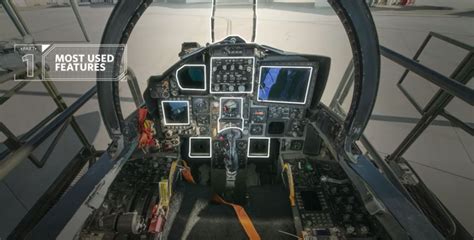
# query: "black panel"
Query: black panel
192,77
312,143
311,201
200,147
276,128
258,147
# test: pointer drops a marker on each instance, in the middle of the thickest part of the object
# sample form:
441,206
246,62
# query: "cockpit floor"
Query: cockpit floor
193,216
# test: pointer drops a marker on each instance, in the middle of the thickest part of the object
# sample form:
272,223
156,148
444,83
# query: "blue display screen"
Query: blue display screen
284,84
176,112
192,77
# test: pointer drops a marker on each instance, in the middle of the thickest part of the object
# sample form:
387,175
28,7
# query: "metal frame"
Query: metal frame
134,88
450,87
14,143
342,90
53,193
21,147
445,83
466,64
16,157
213,17
75,8
21,26
16,18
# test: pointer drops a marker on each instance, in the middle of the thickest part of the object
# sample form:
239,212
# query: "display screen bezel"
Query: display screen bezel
308,84
258,155
204,88
198,155
165,116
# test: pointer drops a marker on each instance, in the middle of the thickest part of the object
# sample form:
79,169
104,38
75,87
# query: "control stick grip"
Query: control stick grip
232,158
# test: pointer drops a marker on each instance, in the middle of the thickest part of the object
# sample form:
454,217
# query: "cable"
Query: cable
213,13
254,27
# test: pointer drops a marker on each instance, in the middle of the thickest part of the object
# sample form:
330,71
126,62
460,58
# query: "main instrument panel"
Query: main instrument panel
259,91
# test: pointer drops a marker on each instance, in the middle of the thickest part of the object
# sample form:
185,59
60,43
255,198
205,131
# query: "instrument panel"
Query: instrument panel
263,93
232,74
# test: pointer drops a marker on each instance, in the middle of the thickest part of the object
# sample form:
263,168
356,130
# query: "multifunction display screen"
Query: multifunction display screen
284,84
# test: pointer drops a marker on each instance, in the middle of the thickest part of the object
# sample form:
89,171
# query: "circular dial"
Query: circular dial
231,108
200,105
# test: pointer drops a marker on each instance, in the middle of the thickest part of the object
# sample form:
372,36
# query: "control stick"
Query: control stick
231,158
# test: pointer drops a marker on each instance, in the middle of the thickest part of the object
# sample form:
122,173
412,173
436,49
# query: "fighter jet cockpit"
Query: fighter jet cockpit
232,141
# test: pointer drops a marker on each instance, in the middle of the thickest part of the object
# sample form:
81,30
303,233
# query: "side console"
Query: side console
326,201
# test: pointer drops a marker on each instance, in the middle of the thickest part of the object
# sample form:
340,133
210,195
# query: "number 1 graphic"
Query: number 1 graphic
30,66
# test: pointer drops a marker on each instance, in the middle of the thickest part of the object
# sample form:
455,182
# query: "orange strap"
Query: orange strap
243,217
188,176
186,173
145,130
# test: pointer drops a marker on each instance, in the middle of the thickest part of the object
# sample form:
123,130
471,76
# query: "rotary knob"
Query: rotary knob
350,229
363,230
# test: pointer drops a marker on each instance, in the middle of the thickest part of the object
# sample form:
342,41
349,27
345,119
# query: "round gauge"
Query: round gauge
231,108
242,145
200,105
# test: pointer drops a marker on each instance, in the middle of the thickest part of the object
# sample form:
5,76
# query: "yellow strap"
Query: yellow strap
291,183
171,177
164,193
